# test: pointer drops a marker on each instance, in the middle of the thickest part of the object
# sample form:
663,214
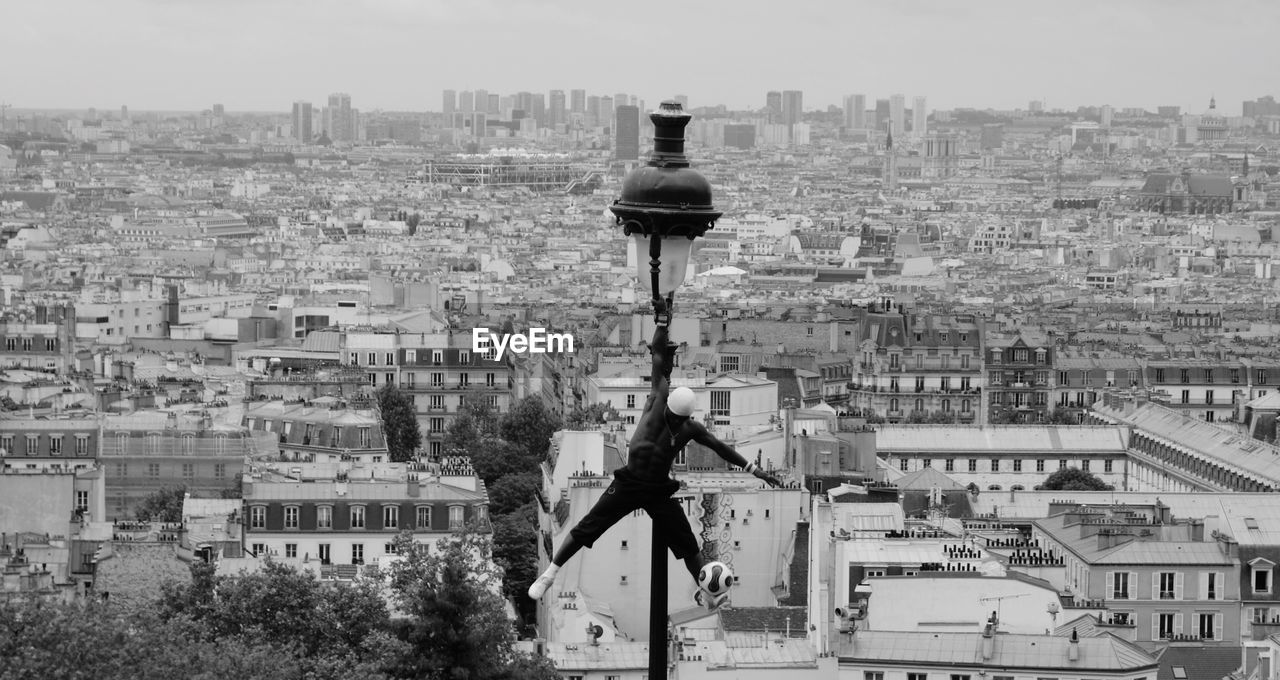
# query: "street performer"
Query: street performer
664,429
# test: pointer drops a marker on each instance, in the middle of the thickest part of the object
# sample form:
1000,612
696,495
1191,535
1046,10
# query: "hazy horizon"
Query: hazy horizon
399,55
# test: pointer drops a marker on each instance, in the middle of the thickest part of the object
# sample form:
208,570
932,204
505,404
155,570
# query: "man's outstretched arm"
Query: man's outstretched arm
702,436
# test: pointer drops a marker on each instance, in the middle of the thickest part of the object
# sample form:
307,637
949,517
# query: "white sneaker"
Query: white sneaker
540,586
708,601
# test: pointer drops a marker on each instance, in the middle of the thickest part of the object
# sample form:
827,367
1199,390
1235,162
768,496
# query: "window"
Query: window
391,359
259,549
631,401
919,383
437,401
902,464
357,517
959,676
437,356
291,517
290,549
973,465
464,358
423,516
389,548
33,445
258,517
1261,614
917,676
1062,464
55,444
373,358
1235,376
1262,577
1208,396
1159,375
720,403
949,465
6,443
1020,356
1209,626
1120,584
435,425
323,550
872,675
1165,626
1017,465
153,469
188,471
729,364
1260,376
995,464
455,517
82,501
390,517
464,380
363,432
1184,375
1084,465
1208,375
437,380
1040,466
411,356
1106,465
1165,585
324,517
357,553
1211,585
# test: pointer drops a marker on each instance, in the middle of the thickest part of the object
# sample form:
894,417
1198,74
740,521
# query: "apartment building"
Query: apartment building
1081,378
913,366
349,513
146,451
38,337
1159,579
1020,376
320,432
1014,457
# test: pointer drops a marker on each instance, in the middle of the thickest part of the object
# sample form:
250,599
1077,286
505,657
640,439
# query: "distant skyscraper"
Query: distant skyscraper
882,114
493,104
855,112
302,121
540,109
339,125
467,101
1036,106
593,110
479,127
218,111
919,117
773,105
1106,113
897,113
524,102
627,140
792,106
124,113
740,136
481,101
578,101
450,104
606,112
556,104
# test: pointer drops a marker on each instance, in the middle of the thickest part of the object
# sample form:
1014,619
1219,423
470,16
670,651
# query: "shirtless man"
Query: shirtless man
663,431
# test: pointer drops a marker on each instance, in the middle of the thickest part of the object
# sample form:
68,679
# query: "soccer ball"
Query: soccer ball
715,578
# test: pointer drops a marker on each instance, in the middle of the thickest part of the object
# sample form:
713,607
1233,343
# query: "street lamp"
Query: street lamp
665,205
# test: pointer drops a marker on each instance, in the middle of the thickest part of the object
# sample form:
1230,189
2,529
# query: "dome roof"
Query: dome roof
1212,111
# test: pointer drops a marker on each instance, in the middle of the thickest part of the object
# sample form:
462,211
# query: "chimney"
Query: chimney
989,639
1073,647
1197,530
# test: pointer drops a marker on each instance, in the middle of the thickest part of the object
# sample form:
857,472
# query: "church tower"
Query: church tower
890,179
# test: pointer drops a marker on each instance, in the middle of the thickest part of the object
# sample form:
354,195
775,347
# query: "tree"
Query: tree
164,505
399,422
590,417
529,425
510,492
1062,416
475,421
1074,479
459,627
515,547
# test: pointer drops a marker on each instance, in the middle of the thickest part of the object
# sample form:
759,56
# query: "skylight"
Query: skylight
1251,523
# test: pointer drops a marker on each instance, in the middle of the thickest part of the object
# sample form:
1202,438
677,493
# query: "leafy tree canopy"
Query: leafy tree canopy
1074,479
399,422
164,505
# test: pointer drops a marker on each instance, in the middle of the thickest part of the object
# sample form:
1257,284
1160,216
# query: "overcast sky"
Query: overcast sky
400,54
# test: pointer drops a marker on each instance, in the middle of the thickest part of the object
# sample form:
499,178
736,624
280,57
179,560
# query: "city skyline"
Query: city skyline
175,57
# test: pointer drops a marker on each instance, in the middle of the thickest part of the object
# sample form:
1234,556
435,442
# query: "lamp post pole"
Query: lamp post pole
665,204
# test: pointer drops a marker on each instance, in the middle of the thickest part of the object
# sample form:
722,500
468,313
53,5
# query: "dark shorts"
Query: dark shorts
626,495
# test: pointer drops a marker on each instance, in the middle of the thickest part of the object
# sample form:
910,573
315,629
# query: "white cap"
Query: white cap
682,401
